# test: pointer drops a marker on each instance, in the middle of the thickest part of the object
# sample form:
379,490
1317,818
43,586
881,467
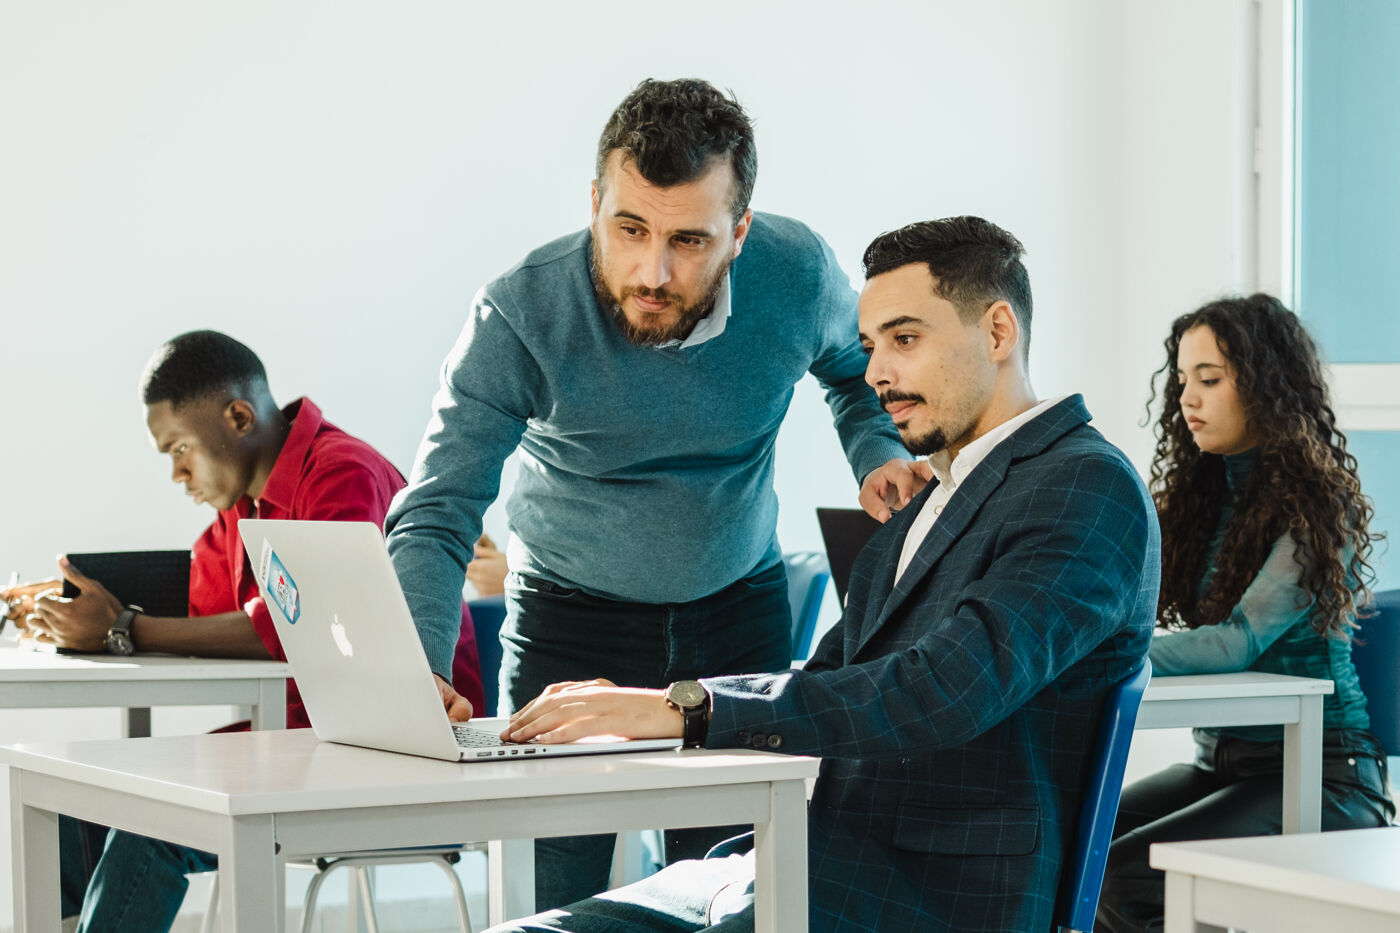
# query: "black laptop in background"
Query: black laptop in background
844,533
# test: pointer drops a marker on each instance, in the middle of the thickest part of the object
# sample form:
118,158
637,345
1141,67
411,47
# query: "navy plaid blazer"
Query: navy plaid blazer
955,712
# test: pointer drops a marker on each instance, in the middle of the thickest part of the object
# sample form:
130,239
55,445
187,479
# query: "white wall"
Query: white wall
330,182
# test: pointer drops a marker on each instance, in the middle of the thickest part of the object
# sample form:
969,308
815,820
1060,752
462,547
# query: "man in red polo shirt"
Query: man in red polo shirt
208,406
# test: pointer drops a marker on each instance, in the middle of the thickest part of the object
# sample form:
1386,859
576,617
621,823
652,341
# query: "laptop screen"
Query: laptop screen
844,533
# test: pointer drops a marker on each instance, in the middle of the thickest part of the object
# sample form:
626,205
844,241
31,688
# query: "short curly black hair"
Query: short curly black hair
671,130
198,364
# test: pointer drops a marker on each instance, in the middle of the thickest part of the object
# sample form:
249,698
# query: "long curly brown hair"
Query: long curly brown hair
1303,482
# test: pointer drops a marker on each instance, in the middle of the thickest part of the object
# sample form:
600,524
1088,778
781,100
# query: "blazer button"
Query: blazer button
775,741
743,738
759,740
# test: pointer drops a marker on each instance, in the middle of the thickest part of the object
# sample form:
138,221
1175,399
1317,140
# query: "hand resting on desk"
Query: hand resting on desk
581,709
19,599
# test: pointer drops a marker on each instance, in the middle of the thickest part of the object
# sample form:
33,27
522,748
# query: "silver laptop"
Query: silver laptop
355,653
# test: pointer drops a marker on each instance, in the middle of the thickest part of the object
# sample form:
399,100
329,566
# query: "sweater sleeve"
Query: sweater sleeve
867,434
486,395
1271,605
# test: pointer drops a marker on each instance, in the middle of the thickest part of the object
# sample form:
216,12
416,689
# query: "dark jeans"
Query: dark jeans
554,633
120,881
1235,788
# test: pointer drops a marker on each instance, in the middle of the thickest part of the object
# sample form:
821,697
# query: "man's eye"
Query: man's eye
904,340
692,242
631,231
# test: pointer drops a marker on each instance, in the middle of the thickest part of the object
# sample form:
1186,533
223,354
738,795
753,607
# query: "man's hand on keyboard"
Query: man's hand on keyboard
583,709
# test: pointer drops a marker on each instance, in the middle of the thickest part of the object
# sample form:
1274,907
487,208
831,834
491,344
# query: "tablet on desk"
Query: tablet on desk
157,581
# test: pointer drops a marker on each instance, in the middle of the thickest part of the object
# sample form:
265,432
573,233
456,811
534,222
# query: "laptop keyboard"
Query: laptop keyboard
469,736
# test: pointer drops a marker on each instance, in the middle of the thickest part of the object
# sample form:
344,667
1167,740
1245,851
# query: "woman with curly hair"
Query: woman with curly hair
1264,567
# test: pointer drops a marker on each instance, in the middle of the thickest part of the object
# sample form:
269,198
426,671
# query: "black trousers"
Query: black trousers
554,633
1235,788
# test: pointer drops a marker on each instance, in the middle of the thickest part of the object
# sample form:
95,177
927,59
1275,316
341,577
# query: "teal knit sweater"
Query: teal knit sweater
646,474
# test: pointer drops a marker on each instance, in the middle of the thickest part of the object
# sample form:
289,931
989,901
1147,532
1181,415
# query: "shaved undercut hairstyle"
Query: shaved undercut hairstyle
974,263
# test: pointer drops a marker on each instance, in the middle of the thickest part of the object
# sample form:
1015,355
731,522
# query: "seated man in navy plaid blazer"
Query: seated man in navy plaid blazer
956,703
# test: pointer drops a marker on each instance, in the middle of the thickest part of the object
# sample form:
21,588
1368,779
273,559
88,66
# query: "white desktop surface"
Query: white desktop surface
246,795
1341,881
37,679
1250,698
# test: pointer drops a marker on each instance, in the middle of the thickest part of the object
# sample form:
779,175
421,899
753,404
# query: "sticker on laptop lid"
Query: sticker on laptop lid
281,588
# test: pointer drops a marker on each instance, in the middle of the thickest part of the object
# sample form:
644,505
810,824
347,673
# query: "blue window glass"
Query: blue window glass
1349,177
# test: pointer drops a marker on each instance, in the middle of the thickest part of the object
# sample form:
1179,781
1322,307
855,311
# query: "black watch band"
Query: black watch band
119,635
692,700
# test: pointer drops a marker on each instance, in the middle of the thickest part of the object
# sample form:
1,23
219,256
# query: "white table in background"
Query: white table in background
254,798
37,679
1254,699
1331,882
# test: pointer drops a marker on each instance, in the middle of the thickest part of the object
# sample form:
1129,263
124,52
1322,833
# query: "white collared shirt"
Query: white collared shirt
950,475
711,325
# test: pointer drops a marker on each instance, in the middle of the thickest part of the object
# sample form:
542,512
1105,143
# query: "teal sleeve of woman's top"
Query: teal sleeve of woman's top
1271,605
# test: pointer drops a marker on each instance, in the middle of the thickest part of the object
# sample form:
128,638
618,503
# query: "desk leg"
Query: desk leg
780,862
1181,906
34,848
510,879
1302,768
136,722
270,712
251,895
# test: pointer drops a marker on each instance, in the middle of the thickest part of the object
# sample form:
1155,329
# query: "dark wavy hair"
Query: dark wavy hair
671,130
1303,483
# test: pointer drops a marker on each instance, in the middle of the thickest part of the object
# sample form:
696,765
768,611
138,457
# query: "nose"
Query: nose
1190,398
877,373
178,473
655,269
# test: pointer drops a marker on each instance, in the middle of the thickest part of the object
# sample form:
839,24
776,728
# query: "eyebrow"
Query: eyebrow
901,321
1200,366
702,234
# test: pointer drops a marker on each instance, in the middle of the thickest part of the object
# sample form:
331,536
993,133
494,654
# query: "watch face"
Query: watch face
120,643
686,694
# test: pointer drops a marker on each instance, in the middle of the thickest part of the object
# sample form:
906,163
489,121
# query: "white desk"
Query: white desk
1254,699
34,679
1343,881
255,798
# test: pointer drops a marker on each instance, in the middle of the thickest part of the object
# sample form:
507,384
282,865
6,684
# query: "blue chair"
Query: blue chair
488,615
807,575
1376,654
1083,877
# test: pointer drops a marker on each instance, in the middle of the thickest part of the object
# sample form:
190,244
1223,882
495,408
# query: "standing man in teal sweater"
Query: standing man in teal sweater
642,367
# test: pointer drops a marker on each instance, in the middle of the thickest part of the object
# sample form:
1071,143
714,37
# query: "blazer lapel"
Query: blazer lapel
1029,440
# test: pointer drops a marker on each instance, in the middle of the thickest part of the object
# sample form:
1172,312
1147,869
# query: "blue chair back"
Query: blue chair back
1083,878
488,615
807,576
1376,655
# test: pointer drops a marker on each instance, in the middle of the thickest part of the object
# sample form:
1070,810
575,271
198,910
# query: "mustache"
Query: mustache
894,395
650,294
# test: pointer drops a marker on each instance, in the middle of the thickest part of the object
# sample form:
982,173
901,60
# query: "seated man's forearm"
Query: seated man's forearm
227,635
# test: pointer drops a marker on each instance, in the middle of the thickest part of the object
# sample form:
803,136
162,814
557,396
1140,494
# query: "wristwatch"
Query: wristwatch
119,635
693,702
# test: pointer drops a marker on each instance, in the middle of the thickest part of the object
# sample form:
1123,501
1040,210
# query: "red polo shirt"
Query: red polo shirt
322,474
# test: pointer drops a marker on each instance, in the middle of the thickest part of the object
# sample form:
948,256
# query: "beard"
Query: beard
643,336
920,445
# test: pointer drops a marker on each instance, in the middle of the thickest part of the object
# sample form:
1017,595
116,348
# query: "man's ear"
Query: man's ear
593,199
741,230
1003,331
240,416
